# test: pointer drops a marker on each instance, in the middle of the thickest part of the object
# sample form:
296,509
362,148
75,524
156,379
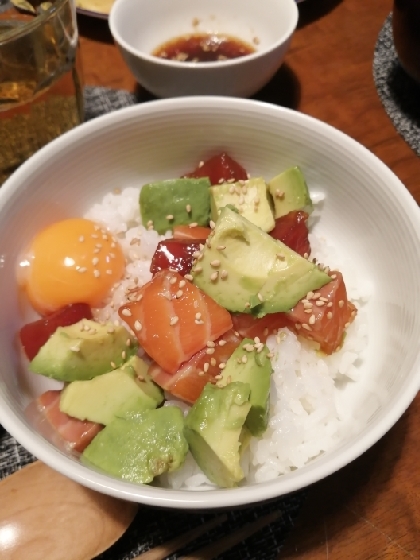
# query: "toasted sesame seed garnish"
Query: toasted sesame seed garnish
116,323
316,295
222,342
210,344
95,261
201,162
320,303
201,373
333,276
305,255
198,268
113,245
213,361
222,365
307,304
188,208
128,342
123,354
98,245
109,272
179,293
326,269
248,347
308,310
221,181
188,277
206,367
198,322
223,274
247,304
221,247
141,378
126,312
257,340
306,327
219,376
174,320
309,295
330,304
96,273
149,228
113,365
75,348
182,283
105,237
172,280
215,263
311,320
329,315
281,257
208,242
323,299
150,223
110,330
244,359
212,224
170,217
214,276
230,181
340,303
193,224
279,194
346,325
82,269
298,326
259,296
353,313
94,236
81,238
210,351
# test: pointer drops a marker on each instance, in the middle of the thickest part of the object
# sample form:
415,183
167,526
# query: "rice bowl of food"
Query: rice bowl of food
227,289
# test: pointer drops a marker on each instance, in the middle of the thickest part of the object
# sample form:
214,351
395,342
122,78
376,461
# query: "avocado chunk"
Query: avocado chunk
165,204
83,351
141,446
112,394
290,192
250,198
244,269
213,428
250,364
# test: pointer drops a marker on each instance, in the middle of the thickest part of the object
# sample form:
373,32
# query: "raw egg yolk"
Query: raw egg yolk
72,261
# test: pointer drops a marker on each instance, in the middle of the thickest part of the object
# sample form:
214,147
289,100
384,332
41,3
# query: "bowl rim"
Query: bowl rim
165,63
220,498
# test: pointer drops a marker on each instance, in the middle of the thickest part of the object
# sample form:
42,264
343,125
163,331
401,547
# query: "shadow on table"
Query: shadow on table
98,32
346,496
315,9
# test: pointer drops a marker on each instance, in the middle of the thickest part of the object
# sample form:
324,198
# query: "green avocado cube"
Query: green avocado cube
214,431
250,364
290,192
83,351
255,273
250,198
140,447
112,394
165,204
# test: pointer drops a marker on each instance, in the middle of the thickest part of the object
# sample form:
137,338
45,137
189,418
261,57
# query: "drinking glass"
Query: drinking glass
406,28
40,80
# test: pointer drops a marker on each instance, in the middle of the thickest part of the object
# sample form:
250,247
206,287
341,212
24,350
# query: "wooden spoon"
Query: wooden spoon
46,516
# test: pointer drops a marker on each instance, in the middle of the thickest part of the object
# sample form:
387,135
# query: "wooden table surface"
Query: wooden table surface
371,508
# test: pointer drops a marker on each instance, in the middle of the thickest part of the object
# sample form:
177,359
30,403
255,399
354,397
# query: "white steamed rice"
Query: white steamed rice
304,419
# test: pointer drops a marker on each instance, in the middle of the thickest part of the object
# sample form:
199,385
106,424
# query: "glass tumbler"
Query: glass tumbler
406,28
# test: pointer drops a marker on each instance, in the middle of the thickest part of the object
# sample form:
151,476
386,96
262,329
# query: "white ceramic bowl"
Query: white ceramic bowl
140,26
367,212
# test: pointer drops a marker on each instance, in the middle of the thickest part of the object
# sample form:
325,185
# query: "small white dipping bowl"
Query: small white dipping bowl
140,26
367,214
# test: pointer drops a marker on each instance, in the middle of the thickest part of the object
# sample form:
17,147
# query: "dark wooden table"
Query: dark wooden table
371,508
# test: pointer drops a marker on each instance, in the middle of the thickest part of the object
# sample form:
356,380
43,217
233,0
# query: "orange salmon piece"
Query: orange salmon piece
173,319
187,232
250,327
331,313
77,433
190,379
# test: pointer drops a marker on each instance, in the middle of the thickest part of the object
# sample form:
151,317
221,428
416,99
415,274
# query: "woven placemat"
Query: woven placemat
152,527
400,94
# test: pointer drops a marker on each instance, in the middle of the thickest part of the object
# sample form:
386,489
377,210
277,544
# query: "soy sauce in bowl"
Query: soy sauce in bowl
203,47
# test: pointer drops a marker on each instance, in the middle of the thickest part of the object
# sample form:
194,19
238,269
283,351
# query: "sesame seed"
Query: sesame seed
214,276
94,236
212,224
198,268
126,312
256,199
265,332
230,181
81,238
215,263
208,242
298,326
95,261
174,320
248,347
210,351
224,274
82,269
109,272
128,342
316,296
323,299
210,344
75,348
149,228
219,376
281,257
194,224
188,277
172,280
188,208
105,237
179,293
182,283
259,296
113,365
320,303
257,340
308,310
199,322
213,361
329,315
244,359
98,245
150,223
307,304
334,276
113,245
201,164
247,304
236,333
305,255
170,217
201,373
221,181
110,330
306,327
330,304
311,320
222,365
340,303
206,367
270,355
309,295
96,273
123,354
279,194
221,247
